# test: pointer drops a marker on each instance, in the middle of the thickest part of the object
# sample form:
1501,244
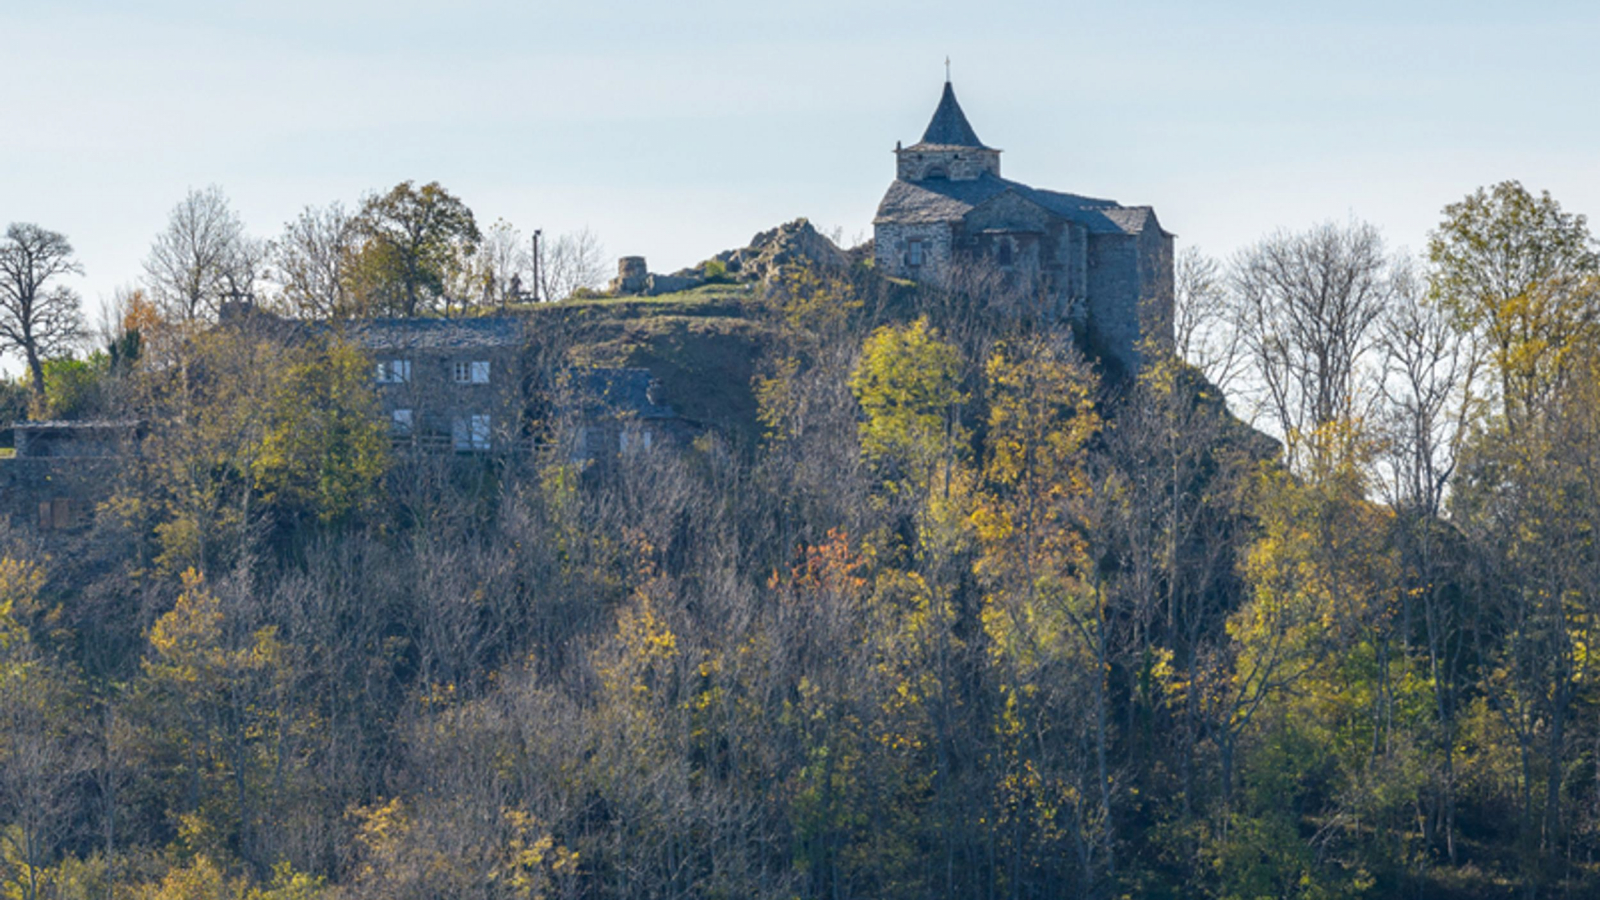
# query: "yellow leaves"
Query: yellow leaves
643,643
186,639
189,646
1041,415
908,384
287,884
202,879
20,584
380,830
777,399
533,861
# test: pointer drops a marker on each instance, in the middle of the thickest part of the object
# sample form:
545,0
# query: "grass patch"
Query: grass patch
706,300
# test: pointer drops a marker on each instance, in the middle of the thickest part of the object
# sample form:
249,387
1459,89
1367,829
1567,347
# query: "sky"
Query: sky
676,130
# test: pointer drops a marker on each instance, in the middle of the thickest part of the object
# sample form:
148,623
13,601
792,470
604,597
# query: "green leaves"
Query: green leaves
325,448
414,237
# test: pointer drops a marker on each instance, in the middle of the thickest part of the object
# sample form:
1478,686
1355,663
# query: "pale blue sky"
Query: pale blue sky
678,130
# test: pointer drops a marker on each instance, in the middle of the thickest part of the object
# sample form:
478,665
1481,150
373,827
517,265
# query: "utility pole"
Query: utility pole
536,233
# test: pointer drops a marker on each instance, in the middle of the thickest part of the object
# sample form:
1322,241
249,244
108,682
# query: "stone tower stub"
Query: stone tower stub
633,276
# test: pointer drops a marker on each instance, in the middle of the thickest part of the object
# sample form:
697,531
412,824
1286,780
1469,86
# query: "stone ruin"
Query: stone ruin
768,254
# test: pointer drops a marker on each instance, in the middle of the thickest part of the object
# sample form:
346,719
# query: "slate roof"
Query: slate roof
620,392
949,127
479,332
944,200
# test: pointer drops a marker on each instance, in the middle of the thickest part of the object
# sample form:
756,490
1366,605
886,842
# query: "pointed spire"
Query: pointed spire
949,125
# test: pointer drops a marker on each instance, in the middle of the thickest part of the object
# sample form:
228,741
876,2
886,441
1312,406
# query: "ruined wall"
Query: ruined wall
55,493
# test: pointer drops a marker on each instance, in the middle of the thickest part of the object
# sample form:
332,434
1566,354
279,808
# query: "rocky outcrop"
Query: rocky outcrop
793,243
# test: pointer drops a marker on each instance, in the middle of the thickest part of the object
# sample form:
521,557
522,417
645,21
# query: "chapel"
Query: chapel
1103,266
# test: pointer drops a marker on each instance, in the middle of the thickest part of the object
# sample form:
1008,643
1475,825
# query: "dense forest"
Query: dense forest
959,614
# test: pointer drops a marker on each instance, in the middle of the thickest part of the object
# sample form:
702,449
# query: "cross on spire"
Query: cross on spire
947,70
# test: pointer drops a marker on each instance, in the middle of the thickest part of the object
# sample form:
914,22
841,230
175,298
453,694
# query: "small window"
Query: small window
394,371
1003,252
402,422
628,441
914,255
476,372
470,432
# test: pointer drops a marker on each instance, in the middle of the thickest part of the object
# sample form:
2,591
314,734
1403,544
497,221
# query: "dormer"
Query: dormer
949,149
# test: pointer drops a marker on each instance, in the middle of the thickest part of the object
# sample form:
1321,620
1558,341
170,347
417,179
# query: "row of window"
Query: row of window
466,432
398,371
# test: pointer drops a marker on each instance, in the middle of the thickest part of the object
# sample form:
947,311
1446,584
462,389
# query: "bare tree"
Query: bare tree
1203,326
1430,375
571,261
35,318
505,260
1307,304
39,764
311,262
202,258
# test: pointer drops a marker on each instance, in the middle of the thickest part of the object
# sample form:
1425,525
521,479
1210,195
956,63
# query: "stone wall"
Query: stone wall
958,164
892,243
434,400
1114,288
1156,286
55,493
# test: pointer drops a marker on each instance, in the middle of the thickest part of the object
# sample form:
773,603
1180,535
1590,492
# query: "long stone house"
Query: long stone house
451,384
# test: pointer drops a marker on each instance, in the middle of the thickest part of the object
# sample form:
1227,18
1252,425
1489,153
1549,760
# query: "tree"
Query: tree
1203,333
312,261
414,239
203,258
1431,374
1307,304
1044,605
39,760
909,386
569,263
325,446
36,318
1519,271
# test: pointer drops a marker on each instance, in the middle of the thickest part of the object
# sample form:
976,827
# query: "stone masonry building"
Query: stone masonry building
1103,266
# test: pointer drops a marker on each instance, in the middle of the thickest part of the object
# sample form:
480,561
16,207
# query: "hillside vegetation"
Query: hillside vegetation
929,607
